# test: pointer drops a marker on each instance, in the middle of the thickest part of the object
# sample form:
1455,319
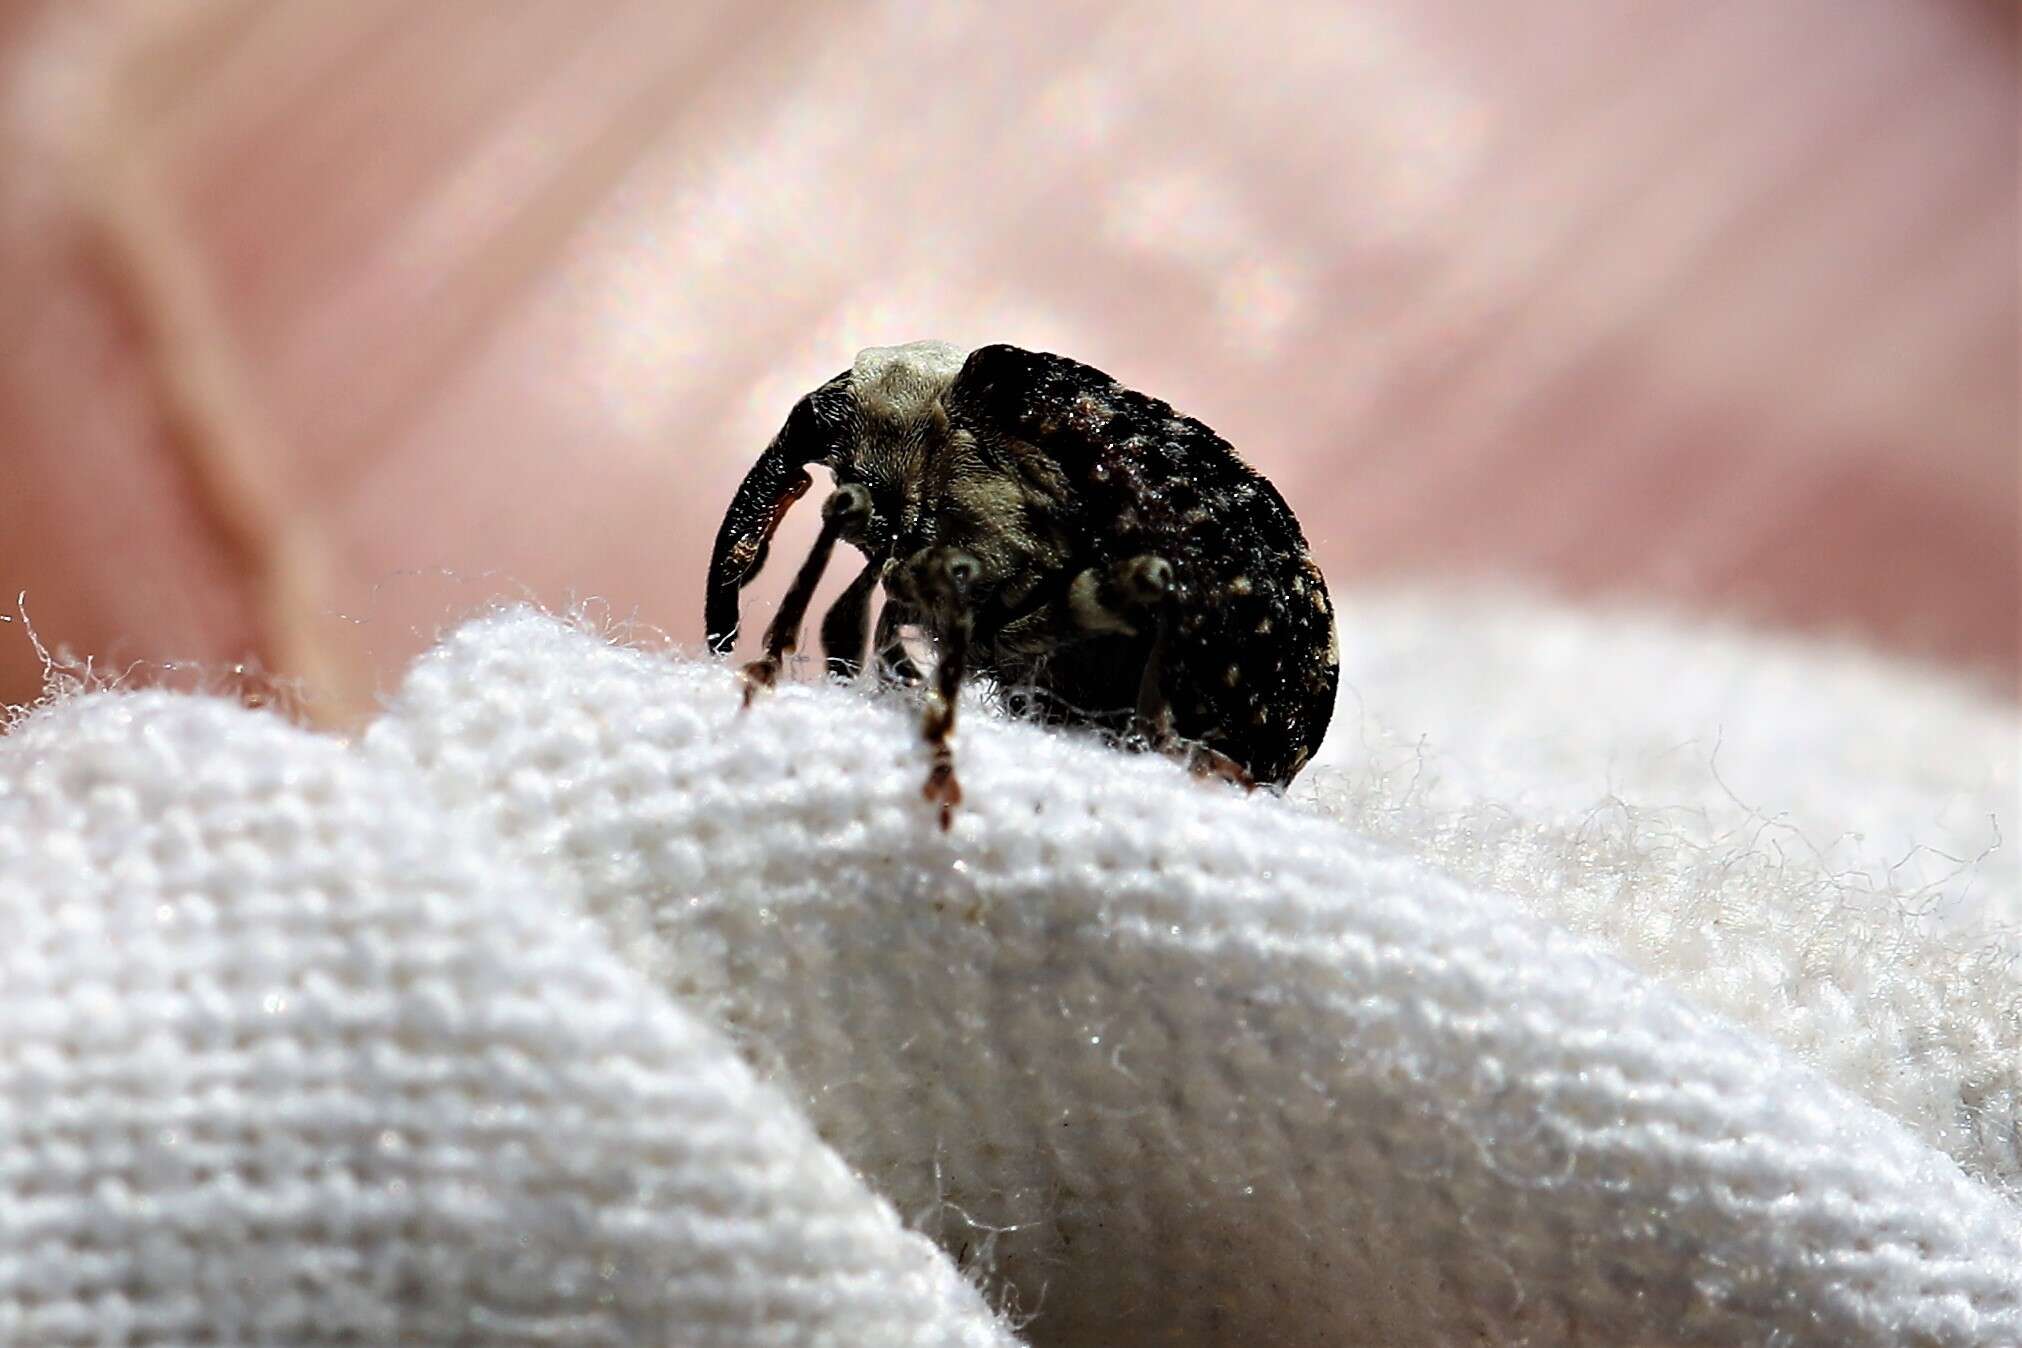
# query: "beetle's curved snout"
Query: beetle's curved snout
743,539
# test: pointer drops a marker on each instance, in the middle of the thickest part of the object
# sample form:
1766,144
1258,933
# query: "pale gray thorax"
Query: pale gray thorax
900,384
898,392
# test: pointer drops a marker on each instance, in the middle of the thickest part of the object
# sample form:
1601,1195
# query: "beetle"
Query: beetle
1106,561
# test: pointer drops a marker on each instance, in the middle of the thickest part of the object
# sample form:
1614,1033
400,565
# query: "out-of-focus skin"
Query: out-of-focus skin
1713,303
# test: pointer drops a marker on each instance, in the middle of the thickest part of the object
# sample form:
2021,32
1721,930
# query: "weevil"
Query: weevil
1104,560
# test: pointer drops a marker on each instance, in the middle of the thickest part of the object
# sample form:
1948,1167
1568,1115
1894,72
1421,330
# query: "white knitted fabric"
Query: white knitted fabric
1802,838
429,1038
292,1056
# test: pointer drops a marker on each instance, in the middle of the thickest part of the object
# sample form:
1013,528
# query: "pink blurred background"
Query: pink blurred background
1712,304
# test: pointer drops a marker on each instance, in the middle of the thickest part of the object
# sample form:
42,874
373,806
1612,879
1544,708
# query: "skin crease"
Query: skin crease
327,323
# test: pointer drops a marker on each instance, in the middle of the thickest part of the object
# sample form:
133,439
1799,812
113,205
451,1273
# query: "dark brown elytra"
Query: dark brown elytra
1104,560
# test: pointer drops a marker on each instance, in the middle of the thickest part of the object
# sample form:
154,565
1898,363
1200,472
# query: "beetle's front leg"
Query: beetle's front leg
889,645
843,515
844,627
938,726
942,582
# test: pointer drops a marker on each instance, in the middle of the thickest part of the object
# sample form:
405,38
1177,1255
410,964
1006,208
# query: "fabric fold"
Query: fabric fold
290,1055
1190,1066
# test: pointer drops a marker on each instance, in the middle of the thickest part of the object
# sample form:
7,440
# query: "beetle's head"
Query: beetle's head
872,424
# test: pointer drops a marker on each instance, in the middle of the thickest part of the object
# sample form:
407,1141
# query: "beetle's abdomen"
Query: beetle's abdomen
1256,676
1250,668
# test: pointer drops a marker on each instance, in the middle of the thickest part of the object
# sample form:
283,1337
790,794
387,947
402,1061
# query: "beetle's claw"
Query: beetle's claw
756,676
944,789
1213,765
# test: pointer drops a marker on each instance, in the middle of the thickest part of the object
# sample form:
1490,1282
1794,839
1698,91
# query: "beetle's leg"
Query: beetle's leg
1154,722
1212,764
847,624
893,662
1154,718
844,514
1098,600
940,581
1129,589
1143,583
938,726
1154,708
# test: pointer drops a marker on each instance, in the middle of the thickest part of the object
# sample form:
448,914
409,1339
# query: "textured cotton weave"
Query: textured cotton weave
1807,840
572,1004
287,1055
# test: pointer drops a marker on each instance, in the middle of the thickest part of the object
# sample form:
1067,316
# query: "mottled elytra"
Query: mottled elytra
1104,560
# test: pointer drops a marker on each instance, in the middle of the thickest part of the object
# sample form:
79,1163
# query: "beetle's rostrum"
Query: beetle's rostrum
1104,560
